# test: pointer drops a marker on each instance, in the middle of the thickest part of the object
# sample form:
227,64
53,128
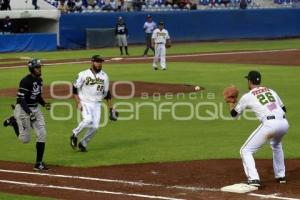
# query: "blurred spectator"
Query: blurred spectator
7,25
5,5
78,5
34,3
121,32
159,2
111,5
24,28
121,6
100,3
243,4
91,3
62,6
137,4
71,5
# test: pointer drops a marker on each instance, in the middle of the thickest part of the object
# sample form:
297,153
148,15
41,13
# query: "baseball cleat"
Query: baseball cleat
81,147
255,183
155,68
73,141
9,121
40,166
281,180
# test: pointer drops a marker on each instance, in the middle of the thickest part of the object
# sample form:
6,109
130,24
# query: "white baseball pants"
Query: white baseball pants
268,131
91,113
160,54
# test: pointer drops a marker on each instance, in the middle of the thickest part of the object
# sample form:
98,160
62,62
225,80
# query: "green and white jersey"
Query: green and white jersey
92,87
263,102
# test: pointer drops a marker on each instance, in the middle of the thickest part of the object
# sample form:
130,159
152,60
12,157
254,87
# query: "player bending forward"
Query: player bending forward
269,109
90,87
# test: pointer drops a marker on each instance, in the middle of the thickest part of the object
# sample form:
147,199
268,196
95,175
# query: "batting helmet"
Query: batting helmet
34,63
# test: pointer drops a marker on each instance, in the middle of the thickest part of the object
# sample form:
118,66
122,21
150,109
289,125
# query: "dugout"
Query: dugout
42,33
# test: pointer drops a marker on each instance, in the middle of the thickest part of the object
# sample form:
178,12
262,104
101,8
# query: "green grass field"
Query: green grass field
146,139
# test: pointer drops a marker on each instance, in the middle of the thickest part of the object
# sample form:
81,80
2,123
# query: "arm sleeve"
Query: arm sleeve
41,100
167,36
108,95
106,87
278,99
22,92
241,105
79,81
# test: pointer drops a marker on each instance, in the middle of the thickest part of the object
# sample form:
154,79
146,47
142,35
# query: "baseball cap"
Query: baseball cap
161,23
149,16
254,77
97,58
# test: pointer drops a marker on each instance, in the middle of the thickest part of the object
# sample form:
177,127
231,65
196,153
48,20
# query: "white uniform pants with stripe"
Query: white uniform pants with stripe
91,113
269,131
160,54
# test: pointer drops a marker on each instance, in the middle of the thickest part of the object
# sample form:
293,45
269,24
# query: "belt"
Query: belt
159,43
273,117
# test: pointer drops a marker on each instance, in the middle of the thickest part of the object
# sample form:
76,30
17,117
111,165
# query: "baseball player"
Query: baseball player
121,32
89,88
27,113
160,38
149,27
269,109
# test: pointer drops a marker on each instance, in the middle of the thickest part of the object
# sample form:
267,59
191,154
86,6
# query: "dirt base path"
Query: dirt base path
175,180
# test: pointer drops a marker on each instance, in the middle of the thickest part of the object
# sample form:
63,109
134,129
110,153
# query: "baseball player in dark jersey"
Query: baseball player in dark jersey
121,32
27,113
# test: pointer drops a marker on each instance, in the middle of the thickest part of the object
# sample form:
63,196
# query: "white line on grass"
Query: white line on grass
28,184
110,180
170,56
271,196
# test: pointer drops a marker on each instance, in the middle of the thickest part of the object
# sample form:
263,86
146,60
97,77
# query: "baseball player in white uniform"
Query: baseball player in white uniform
89,88
160,38
269,109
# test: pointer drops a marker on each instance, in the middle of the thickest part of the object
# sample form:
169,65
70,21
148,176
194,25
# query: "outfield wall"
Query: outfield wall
187,25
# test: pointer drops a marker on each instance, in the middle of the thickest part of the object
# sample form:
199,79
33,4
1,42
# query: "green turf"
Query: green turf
6,196
137,50
150,140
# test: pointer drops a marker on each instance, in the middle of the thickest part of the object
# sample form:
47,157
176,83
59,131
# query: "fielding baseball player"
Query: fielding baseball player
27,113
160,39
149,27
269,109
121,32
89,88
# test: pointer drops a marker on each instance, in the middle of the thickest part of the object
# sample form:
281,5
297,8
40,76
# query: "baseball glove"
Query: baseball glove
113,114
231,94
168,45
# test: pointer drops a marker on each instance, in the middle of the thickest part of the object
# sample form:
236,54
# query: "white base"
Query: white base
239,188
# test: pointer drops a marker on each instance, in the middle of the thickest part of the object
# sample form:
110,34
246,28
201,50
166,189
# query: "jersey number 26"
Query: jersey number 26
265,98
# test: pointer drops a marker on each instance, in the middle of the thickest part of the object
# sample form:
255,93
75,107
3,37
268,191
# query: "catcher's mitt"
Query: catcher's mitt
113,114
168,45
231,94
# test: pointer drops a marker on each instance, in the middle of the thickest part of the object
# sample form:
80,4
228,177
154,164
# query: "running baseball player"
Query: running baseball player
27,113
160,39
89,88
121,32
269,109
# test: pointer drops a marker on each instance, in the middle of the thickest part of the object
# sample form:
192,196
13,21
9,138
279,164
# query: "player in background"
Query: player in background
27,112
90,88
149,27
269,109
160,38
121,32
